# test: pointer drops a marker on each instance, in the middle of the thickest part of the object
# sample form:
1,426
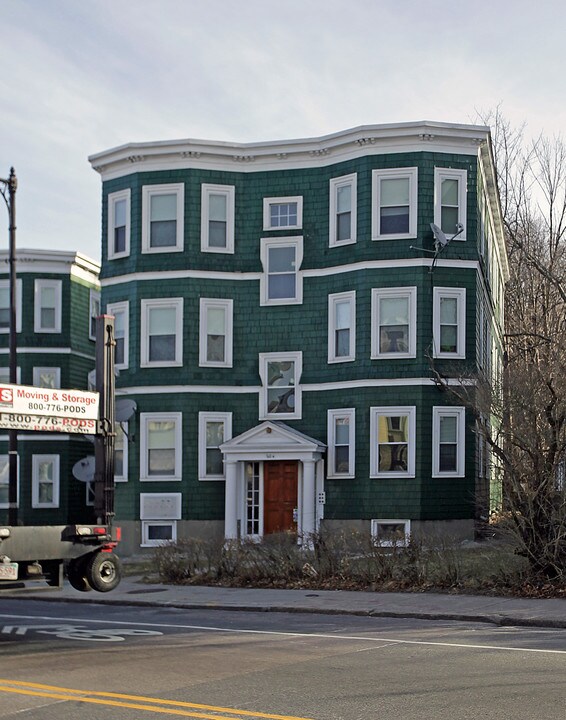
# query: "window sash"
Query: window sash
281,281
341,443
394,322
392,448
160,446
283,213
394,203
161,322
343,209
280,396
448,441
47,306
341,327
449,322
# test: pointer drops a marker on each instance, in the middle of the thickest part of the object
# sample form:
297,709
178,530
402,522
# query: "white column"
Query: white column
230,501
308,526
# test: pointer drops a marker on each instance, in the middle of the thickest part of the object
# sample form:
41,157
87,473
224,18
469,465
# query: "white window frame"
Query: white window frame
332,417
147,524
5,458
95,309
145,419
203,419
438,412
229,192
146,306
392,411
114,198
35,462
461,176
147,521
269,201
148,191
38,371
411,173
264,359
124,476
5,285
39,285
375,522
5,375
333,300
227,305
266,244
377,294
458,294
123,308
335,184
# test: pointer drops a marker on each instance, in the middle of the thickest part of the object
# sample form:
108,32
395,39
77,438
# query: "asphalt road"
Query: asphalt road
65,661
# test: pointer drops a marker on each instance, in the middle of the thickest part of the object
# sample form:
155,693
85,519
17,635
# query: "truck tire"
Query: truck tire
76,574
103,571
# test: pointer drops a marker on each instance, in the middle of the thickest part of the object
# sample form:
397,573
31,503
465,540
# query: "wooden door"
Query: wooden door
280,481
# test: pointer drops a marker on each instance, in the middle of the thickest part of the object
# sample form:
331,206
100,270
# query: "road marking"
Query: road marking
168,707
78,632
281,633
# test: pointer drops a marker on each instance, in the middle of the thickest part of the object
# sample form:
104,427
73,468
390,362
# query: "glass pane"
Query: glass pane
215,347
161,462
45,493
394,220
281,259
342,431
281,374
217,233
449,219
120,239
159,532
342,459
449,310
160,434
163,233
283,214
4,479
162,321
448,429
48,297
45,471
344,198
214,433
448,458
47,379
217,207
119,463
162,348
449,192
119,322
215,320
394,311
394,192
163,207
342,348
343,226
392,458
214,465
4,297
342,314
281,287
47,317
448,338
119,213
393,428
119,350
281,401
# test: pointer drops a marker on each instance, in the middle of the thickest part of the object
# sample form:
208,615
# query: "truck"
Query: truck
38,557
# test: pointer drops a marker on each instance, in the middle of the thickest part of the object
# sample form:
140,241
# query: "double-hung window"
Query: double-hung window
342,327
392,447
280,395
159,513
214,429
343,210
341,443
121,313
217,218
283,213
449,322
161,447
162,218
5,306
121,452
450,200
119,224
45,481
5,481
393,322
161,332
215,346
47,306
47,377
94,304
281,280
448,436
394,204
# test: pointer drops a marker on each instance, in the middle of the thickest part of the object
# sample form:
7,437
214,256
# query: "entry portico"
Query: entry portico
274,482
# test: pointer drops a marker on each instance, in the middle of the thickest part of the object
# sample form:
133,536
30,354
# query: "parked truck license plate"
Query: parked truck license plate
8,571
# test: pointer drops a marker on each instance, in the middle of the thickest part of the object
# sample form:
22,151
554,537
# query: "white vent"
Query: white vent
160,506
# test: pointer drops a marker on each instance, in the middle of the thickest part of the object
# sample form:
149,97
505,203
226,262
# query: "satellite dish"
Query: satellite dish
83,470
125,409
439,236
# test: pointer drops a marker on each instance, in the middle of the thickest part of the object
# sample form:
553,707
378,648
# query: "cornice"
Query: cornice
53,261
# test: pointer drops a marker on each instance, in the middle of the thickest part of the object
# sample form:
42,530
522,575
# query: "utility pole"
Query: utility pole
8,190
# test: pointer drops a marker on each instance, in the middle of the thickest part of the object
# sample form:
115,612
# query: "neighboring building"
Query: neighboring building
278,307
57,301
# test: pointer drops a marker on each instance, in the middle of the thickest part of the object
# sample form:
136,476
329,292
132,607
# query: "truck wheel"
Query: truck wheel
103,572
76,574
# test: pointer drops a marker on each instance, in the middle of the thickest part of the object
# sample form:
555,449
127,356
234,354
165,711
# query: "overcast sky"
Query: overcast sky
81,76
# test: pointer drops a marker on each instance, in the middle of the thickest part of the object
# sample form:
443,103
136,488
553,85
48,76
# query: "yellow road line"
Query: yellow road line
62,693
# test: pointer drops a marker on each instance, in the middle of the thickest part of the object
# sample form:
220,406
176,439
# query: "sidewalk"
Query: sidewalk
432,606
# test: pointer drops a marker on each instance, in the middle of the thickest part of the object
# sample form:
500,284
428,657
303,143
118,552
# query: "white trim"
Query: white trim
438,412
332,417
147,305
350,181
39,285
229,192
116,309
378,294
145,419
227,305
54,460
113,199
45,369
401,411
375,522
409,173
461,176
203,419
148,191
48,351
279,242
94,311
458,294
333,300
269,201
264,360
5,285
123,429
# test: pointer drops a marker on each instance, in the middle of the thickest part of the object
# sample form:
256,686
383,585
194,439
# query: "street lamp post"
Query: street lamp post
8,190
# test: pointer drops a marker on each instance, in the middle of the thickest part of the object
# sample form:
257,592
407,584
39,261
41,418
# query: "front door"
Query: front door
280,482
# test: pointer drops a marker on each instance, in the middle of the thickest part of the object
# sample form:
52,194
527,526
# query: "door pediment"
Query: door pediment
271,440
